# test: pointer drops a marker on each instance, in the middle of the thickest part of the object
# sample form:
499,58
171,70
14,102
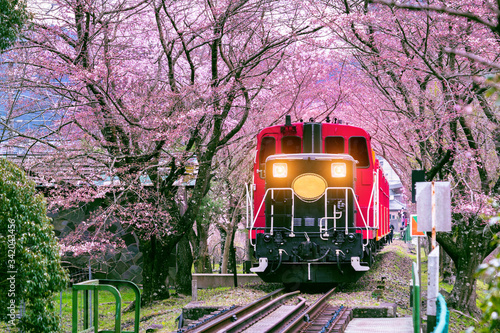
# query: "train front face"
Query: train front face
310,234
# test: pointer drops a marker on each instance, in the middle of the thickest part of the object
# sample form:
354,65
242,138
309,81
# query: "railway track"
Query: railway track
279,312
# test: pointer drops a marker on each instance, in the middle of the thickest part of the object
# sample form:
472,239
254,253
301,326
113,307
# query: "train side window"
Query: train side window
267,148
334,145
358,149
291,145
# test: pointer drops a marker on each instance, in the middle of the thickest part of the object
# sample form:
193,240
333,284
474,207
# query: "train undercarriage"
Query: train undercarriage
334,256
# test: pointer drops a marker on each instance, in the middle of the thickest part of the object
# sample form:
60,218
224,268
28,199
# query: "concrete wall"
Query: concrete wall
223,280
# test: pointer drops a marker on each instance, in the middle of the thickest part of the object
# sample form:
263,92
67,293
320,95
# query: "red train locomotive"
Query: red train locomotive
320,203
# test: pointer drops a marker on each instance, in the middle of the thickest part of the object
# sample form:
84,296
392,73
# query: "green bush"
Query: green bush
30,266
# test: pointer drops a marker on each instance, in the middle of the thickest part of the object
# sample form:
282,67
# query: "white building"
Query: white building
397,203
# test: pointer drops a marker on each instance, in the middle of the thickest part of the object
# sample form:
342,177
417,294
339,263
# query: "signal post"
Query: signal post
434,214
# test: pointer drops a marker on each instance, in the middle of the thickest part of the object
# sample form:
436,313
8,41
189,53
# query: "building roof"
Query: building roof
396,205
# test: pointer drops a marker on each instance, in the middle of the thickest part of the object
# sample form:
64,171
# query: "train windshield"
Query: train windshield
334,145
267,148
291,145
358,149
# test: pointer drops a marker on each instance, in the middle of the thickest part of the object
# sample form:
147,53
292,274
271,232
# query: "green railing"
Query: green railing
442,315
407,237
94,286
415,299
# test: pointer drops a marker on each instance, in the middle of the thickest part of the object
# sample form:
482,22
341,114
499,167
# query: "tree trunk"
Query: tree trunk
446,267
467,246
463,296
155,270
183,276
223,254
202,263
226,252
232,258
471,254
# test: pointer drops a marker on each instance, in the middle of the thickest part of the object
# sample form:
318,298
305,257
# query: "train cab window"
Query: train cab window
267,148
358,149
291,145
334,145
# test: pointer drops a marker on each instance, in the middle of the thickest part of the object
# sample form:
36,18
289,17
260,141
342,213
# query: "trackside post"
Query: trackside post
416,298
432,288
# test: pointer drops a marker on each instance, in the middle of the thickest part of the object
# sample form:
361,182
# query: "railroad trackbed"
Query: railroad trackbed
278,312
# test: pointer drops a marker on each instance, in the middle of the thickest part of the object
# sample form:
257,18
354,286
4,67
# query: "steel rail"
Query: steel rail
226,319
277,327
259,312
309,314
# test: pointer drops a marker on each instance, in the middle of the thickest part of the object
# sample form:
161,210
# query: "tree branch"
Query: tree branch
441,9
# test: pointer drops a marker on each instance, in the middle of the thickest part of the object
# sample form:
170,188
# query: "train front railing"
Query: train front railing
322,227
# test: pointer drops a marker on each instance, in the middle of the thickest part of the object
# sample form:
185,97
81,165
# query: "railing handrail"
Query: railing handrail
356,203
443,315
346,189
111,286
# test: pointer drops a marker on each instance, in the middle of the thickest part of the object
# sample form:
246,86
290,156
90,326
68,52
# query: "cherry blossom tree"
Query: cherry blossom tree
122,95
430,110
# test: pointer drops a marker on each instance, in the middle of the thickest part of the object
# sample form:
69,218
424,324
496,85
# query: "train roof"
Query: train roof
310,156
330,128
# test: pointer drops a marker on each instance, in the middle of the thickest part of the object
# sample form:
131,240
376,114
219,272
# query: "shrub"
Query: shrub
30,267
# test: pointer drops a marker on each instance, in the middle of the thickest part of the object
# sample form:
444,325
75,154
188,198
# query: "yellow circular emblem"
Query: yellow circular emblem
309,186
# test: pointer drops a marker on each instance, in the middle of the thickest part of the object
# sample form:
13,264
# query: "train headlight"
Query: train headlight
339,170
280,170
309,187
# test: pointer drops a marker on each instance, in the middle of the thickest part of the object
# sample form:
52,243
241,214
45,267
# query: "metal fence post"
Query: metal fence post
112,286
416,298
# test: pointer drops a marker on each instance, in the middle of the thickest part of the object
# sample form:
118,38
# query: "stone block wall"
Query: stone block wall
121,264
